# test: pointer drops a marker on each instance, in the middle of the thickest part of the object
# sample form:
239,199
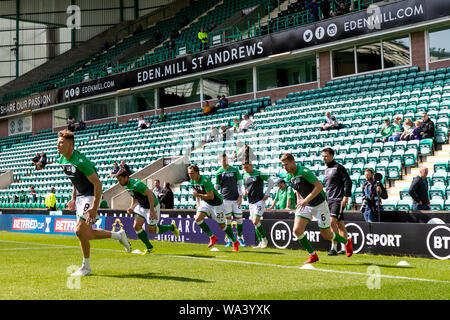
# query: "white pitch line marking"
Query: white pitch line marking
254,263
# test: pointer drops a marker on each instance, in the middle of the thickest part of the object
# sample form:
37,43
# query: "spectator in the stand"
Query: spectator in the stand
387,130
417,131
211,27
157,37
124,166
213,135
157,189
50,200
225,134
313,8
33,194
71,124
408,127
244,153
398,129
325,8
285,196
36,158
427,127
219,102
330,122
245,124
81,125
207,109
167,198
141,123
419,191
148,124
203,38
23,197
224,102
341,10
42,161
235,125
162,115
114,170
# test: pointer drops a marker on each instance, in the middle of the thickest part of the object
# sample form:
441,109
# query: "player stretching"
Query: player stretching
145,206
311,201
229,183
254,190
209,203
86,196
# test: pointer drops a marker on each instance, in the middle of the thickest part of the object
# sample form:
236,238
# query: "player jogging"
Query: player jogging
146,208
254,190
229,183
311,201
338,187
209,203
86,196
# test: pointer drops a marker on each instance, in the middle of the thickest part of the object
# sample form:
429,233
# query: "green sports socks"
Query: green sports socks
142,235
164,228
304,242
337,237
204,226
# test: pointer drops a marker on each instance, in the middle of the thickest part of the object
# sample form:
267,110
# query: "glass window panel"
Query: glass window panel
60,116
228,84
343,62
369,57
178,94
138,102
288,73
396,52
439,44
101,109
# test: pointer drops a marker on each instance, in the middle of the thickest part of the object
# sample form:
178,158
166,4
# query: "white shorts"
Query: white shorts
321,212
213,212
257,209
145,214
231,207
82,204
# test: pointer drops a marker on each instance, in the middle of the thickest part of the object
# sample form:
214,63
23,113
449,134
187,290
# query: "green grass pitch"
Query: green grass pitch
36,267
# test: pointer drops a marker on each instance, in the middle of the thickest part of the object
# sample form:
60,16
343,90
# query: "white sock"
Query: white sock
86,263
115,235
333,246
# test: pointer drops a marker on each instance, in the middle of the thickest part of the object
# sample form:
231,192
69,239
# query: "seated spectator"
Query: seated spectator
71,124
408,127
212,26
313,8
157,37
330,122
148,124
23,197
225,133
213,135
207,109
50,200
124,166
42,162
224,102
387,130
245,124
33,194
81,125
167,198
427,127
114,170
235,125
219,102
203,37
35,160
141,123
325,8
417,131
342,9
244,153
398,129
162,115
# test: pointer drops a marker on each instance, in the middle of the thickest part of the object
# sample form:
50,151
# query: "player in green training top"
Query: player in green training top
209,203
86,196
146,208
311,201
254,190
229,183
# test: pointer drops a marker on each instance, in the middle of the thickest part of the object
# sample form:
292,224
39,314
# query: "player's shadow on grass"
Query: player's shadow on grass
368,264
151,275
261,252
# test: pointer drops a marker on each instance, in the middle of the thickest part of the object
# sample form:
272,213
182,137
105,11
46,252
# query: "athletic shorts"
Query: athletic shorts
231,207
213,212
82,204
320,212
145,214
336,210
257,208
